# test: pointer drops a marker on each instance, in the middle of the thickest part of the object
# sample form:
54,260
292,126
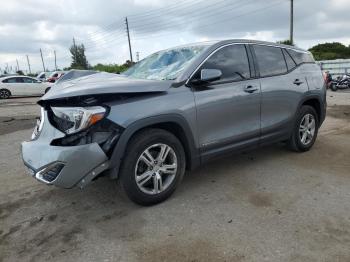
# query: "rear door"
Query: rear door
33,86
228,110
282,87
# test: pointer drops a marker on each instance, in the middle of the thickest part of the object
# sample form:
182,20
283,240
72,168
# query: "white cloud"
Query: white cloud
28,25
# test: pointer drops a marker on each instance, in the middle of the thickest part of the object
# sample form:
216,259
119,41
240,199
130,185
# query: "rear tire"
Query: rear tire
334,88
4,94
305,130
148,176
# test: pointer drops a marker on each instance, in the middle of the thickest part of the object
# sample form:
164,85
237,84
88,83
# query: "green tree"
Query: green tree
330,51
79,60
113,68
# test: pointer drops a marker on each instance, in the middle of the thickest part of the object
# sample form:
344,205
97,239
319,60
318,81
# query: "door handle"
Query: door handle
298,82
250,89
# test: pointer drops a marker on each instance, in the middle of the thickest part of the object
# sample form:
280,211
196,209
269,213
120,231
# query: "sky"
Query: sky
26,26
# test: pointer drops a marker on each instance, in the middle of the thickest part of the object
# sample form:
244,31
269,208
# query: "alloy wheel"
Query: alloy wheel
307,129
156,169
4,94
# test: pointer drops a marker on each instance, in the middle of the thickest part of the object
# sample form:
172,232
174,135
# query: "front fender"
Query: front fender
120,148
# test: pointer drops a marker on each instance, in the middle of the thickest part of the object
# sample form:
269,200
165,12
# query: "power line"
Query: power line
188,22
193,18
164,9
155,10
226,19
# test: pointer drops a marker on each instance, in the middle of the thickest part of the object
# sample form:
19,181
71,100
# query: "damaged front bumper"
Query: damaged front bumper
62,166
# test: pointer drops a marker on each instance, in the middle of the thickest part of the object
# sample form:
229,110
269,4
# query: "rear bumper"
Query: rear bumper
64,167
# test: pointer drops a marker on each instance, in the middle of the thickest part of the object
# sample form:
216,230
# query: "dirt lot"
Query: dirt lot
267,205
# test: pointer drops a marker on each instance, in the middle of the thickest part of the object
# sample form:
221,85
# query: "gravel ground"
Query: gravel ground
266,205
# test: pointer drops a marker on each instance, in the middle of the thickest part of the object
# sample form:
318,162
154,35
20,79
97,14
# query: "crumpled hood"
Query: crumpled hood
105,83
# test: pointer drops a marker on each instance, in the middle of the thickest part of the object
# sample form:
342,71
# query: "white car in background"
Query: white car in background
22,86
42,76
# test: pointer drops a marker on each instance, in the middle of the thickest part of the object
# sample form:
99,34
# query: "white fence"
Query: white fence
337,67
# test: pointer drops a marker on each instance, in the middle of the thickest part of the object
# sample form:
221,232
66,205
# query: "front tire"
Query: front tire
153,166
305,130
4,94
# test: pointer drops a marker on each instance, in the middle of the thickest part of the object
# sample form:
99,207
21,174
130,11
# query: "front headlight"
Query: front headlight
74,119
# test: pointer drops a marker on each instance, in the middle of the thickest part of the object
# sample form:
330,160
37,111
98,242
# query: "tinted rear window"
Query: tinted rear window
301,57
270,60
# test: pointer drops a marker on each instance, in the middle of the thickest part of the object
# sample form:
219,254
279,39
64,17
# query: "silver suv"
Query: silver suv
174,111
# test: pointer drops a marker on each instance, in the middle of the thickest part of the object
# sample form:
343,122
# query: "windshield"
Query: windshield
165,65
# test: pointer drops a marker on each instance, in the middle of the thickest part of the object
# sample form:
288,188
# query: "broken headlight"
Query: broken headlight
72,120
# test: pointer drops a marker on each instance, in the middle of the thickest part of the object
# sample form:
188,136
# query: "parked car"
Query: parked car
72,75
55,76
174,111
42,76
21,86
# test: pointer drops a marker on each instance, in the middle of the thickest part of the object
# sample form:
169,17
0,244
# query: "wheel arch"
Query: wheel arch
173,123
315,102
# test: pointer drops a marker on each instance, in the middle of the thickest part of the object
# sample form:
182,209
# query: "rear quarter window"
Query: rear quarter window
289,60
301,57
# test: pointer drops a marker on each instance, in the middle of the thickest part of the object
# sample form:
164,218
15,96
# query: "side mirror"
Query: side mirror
208,75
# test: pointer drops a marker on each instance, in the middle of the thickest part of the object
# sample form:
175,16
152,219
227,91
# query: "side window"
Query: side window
301,57
19,80
28,80
270,60
10,80
232,61
290,62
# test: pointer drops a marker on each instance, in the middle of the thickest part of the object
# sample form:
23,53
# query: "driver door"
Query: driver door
228,109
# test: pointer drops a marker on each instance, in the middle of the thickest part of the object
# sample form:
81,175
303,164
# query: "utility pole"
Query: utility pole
17,65
137,56
291,22
54,51
30,71
42,60
75,50
127,31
